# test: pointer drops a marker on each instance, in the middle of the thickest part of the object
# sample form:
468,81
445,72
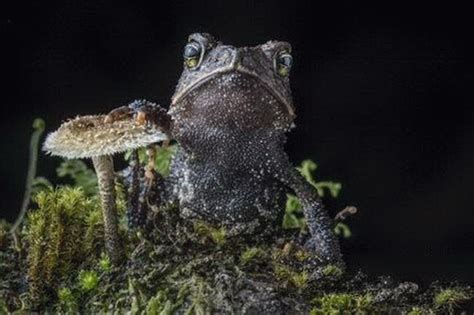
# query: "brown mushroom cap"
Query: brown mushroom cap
92,136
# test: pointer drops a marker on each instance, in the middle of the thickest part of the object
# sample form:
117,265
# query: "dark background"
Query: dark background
384,98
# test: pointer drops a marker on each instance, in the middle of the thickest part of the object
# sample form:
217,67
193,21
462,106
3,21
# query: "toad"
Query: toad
229,115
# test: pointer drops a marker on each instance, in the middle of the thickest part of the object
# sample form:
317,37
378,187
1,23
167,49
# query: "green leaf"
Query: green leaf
81,175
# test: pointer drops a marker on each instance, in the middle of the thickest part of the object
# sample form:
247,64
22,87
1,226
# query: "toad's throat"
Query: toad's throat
238,69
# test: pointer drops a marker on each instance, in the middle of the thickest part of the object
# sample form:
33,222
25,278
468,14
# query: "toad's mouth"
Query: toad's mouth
226,70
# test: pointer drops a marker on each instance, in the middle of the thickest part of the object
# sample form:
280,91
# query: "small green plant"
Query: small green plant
332,271
250,254
416,310
3,307
88,280
343,303
299,279
4,229
216,234
104,263
450,298
67,302
307,169
162,158
343,230
293,218
54,236
80,174
159,304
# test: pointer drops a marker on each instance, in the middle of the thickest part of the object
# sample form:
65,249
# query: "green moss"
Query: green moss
251,254
54,236
450,298
216,234
67,301
298,279
302,255
416,310
159,304
104,263
173,264
332,271
4,228
343,303
3,307
88,280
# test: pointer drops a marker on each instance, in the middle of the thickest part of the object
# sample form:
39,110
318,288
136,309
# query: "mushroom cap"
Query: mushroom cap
92,136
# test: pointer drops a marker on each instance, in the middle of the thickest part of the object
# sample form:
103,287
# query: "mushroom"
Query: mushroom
99,137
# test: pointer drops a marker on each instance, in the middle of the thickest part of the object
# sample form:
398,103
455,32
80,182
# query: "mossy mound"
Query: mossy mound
178,266
55,263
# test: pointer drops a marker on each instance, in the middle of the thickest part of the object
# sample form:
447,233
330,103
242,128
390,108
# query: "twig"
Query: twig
344,213
38,126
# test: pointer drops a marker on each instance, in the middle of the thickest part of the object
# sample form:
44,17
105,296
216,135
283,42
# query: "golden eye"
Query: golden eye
283,63
192,54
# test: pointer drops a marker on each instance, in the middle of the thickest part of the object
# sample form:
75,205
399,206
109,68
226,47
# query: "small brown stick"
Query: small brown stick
150,167
344,213
38,126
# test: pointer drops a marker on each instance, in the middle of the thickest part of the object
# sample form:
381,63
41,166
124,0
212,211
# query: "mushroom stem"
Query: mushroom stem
104,168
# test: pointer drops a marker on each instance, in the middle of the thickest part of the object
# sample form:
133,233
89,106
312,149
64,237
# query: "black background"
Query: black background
384,98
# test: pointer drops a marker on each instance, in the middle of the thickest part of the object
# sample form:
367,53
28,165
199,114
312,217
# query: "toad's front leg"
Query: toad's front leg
323,241
144,112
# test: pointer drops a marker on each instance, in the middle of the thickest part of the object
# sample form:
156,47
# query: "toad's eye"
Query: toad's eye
283,63
192,54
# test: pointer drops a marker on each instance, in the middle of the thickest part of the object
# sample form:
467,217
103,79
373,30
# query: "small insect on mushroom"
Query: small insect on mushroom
99,137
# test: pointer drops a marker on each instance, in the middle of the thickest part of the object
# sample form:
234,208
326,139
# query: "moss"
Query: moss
416,310
88,280
302,255
332,271
450,298
54,234
104,263
67,301
344,303
11,271
4,228
216,234
177,265
159,304
298,279
251,254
